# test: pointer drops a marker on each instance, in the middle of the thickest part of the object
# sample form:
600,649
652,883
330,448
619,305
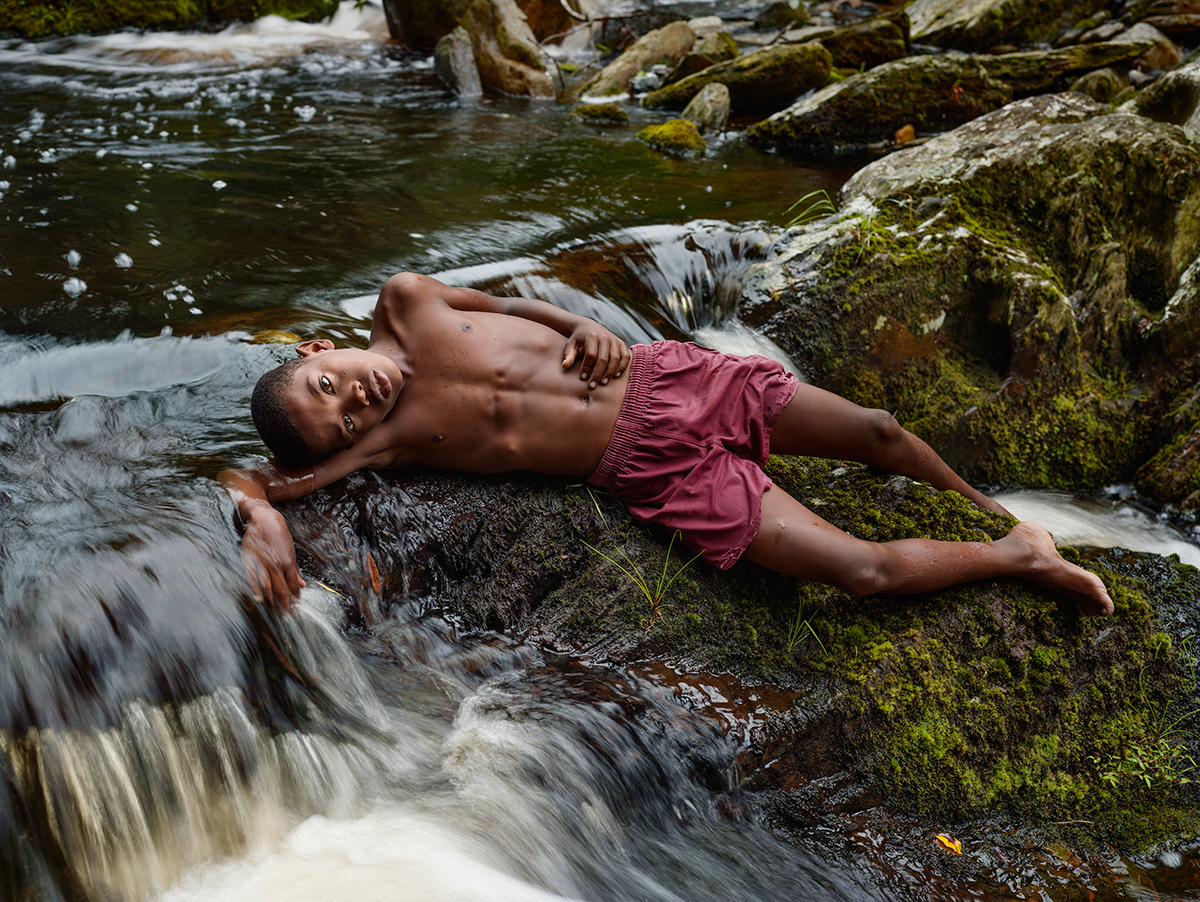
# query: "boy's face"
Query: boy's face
339,394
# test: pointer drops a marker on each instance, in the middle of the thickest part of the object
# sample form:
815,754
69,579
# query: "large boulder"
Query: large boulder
709,110
1003,289
762,81
662,46
980,24
932,93
984,700
506,54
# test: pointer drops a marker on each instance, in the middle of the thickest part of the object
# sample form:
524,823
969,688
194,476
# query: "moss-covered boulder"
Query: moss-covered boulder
994,697
1174,98
507,56
1039,71
709,49
980,24
1015,291
932,93
675,137
762,81
43,19
867,44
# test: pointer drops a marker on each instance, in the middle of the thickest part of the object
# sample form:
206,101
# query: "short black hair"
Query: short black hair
274,422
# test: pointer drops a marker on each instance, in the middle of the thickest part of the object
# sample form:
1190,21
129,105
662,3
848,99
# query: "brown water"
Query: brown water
163,198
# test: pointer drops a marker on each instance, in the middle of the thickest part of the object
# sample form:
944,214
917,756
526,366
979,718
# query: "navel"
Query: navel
585,400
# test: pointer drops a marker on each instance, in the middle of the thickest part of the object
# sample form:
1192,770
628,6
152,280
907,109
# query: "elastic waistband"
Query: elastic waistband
624,438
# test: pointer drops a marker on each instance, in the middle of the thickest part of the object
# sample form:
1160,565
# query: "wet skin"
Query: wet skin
457,379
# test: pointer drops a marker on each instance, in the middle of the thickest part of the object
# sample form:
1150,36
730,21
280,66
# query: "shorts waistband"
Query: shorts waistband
624,438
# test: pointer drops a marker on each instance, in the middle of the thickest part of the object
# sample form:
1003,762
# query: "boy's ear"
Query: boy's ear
314,346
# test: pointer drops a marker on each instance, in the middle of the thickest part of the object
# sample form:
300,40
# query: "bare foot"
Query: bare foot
1048,569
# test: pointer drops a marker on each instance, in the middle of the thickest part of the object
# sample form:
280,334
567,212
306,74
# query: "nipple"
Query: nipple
439,436
466,327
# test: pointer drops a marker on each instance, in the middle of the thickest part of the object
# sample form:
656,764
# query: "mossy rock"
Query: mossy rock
990,697
868,44
603,115
980,24
59,17
676,137
931,93
762,81
1006,285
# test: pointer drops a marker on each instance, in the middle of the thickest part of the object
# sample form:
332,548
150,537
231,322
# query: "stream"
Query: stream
166,200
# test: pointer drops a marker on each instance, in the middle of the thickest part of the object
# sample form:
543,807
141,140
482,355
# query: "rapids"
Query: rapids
165,198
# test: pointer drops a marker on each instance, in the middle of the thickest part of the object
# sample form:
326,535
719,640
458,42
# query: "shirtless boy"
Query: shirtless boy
457,379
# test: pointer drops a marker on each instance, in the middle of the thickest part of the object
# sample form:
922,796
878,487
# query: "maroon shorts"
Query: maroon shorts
690,443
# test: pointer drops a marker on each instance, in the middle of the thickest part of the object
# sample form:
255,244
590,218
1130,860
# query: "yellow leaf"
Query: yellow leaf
949,842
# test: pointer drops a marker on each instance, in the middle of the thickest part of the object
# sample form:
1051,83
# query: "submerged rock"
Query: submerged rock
932,93
454,63
1013,290
604,115
676,137
762,81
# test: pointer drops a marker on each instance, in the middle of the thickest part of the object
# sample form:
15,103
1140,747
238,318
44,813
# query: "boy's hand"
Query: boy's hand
270,559
601,355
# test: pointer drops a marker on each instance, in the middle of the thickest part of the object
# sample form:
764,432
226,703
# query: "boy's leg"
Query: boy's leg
794,540
818,423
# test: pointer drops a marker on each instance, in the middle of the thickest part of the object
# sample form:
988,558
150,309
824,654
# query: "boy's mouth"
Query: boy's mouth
380,385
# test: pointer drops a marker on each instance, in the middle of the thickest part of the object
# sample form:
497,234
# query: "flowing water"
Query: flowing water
163,200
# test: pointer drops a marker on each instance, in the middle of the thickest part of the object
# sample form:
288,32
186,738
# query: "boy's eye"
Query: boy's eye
326,385
349,424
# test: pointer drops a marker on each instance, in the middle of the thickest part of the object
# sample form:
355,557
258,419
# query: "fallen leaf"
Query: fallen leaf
949,843
374,573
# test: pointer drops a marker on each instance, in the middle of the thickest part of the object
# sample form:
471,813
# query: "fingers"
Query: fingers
569,353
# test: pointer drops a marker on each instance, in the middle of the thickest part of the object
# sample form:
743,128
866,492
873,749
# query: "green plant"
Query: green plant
655,598
800,628
817,204
1155,761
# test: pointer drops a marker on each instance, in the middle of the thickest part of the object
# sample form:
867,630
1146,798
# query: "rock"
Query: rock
1105,32
1163,54
781,15
703,26
1174,98
761,81
551,18
867,44
454,63
709,110
675,137
979,24
666,45
1007,290
986,700
713,48
932,93
1182,29
1037,71
420,24
1102,85
506,53
604,115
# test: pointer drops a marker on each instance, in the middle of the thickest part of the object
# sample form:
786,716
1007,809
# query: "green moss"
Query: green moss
676,137
605,115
